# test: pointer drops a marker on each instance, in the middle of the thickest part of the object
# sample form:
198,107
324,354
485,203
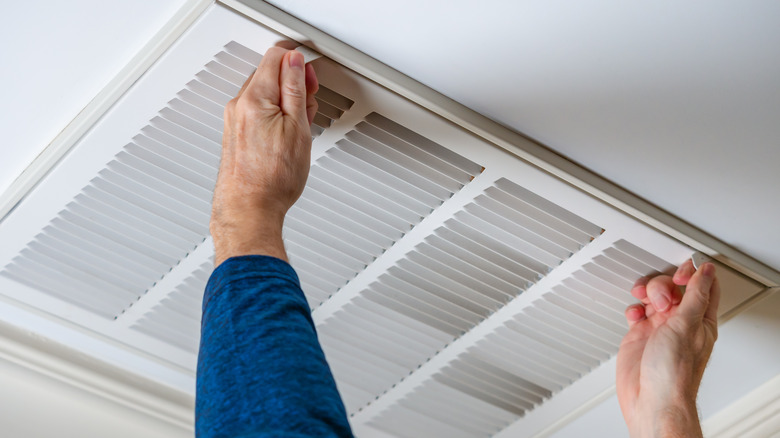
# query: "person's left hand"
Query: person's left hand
662,357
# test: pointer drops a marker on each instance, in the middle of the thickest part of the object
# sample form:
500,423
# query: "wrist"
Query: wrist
248,235
676,419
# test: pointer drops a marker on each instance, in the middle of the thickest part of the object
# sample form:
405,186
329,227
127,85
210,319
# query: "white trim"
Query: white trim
755,415
63,364
505,138
98,106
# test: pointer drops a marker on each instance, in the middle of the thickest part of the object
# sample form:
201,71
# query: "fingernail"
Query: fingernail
661,303
296,59
708,270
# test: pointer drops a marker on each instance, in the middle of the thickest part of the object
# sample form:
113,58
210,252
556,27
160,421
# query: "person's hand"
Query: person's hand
662,358
266,155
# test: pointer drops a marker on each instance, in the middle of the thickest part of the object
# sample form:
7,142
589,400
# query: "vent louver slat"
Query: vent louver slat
201,102
422,143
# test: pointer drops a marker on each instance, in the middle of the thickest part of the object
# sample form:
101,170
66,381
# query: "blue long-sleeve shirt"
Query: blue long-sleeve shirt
261,370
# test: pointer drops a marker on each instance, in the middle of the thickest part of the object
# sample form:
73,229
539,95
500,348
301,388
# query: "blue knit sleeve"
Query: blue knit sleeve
261,370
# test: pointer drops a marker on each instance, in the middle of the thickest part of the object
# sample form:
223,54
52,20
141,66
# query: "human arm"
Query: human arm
662,358
261,370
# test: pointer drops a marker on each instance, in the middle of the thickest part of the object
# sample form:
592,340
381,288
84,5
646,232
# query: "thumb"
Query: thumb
293,86
700,295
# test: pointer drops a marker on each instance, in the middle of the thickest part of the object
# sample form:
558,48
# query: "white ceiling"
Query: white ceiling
59,55
677,102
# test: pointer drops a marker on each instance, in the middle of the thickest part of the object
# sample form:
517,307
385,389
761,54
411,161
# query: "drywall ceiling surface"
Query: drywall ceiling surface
59,55
675,102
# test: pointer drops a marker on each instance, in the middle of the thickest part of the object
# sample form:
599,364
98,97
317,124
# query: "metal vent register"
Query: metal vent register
457,290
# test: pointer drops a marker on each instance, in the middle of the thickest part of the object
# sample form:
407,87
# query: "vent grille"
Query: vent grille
437,410
561,336
362,196
150,206
176,318
466,270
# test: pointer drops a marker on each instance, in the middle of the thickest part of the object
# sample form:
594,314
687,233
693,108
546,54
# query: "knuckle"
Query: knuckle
276,49
292,90
246,108
701,298
230,109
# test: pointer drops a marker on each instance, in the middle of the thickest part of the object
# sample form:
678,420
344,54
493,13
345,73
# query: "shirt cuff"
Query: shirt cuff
248,266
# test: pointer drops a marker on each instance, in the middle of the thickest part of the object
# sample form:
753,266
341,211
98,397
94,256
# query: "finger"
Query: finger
684,273
635,313
698,298
293,85
712,308
287,44
676,295
659,292
639,290
265,81
312,85
311,108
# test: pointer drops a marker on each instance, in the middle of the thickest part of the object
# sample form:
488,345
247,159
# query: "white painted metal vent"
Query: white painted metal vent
555,340
479,260
176,318
362,196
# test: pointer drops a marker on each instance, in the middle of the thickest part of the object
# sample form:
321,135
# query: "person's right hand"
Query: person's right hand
266,155
662,358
